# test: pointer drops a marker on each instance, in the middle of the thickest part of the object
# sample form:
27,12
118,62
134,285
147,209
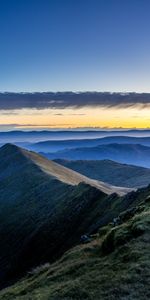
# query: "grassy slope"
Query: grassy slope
36,211
109,171
69,176
39,214
114,265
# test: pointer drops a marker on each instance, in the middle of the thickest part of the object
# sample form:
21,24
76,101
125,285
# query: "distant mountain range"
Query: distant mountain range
48,135
57,145
110,171
134,154
41,203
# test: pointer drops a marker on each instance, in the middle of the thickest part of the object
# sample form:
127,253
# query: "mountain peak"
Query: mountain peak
10,148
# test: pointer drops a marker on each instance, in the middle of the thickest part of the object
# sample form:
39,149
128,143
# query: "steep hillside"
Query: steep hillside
123,153
114,264
41,204
110,171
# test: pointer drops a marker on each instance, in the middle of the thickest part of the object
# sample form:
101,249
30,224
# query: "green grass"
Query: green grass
114,265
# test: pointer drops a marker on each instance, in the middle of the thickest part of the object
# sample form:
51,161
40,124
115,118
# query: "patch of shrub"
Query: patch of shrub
39,269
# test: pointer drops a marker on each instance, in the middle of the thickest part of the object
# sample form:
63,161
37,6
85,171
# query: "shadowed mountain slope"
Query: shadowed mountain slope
44,209
114,264
110,171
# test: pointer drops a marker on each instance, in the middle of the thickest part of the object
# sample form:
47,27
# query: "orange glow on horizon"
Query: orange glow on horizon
73,118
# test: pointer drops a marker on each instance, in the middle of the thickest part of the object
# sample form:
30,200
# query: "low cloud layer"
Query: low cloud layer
62,100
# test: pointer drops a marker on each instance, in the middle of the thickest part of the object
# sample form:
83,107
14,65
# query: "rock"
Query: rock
85,239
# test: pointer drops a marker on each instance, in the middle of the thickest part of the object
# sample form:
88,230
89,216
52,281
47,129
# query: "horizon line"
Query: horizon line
74,92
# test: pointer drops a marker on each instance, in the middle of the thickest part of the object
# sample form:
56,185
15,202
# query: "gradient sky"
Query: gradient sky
78,45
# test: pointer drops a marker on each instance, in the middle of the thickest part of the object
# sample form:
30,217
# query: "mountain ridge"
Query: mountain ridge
62,173
114,173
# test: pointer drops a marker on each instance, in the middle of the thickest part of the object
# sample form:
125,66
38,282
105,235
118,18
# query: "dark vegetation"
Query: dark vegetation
39,214
115,264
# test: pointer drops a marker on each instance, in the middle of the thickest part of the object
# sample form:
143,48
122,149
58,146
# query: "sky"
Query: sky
75,45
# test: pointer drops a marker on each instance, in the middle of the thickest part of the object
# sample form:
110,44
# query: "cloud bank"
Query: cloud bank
62,100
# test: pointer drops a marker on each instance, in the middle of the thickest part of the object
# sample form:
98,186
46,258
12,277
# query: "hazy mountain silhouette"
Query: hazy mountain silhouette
134,154
84,137
57,145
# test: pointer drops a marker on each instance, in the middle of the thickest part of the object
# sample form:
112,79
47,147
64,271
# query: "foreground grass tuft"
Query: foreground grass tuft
114,265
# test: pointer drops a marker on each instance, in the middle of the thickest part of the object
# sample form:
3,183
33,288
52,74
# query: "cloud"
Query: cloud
62,100
8,113
70,114
49,125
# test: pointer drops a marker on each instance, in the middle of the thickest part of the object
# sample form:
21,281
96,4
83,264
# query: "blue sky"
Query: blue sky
58,45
